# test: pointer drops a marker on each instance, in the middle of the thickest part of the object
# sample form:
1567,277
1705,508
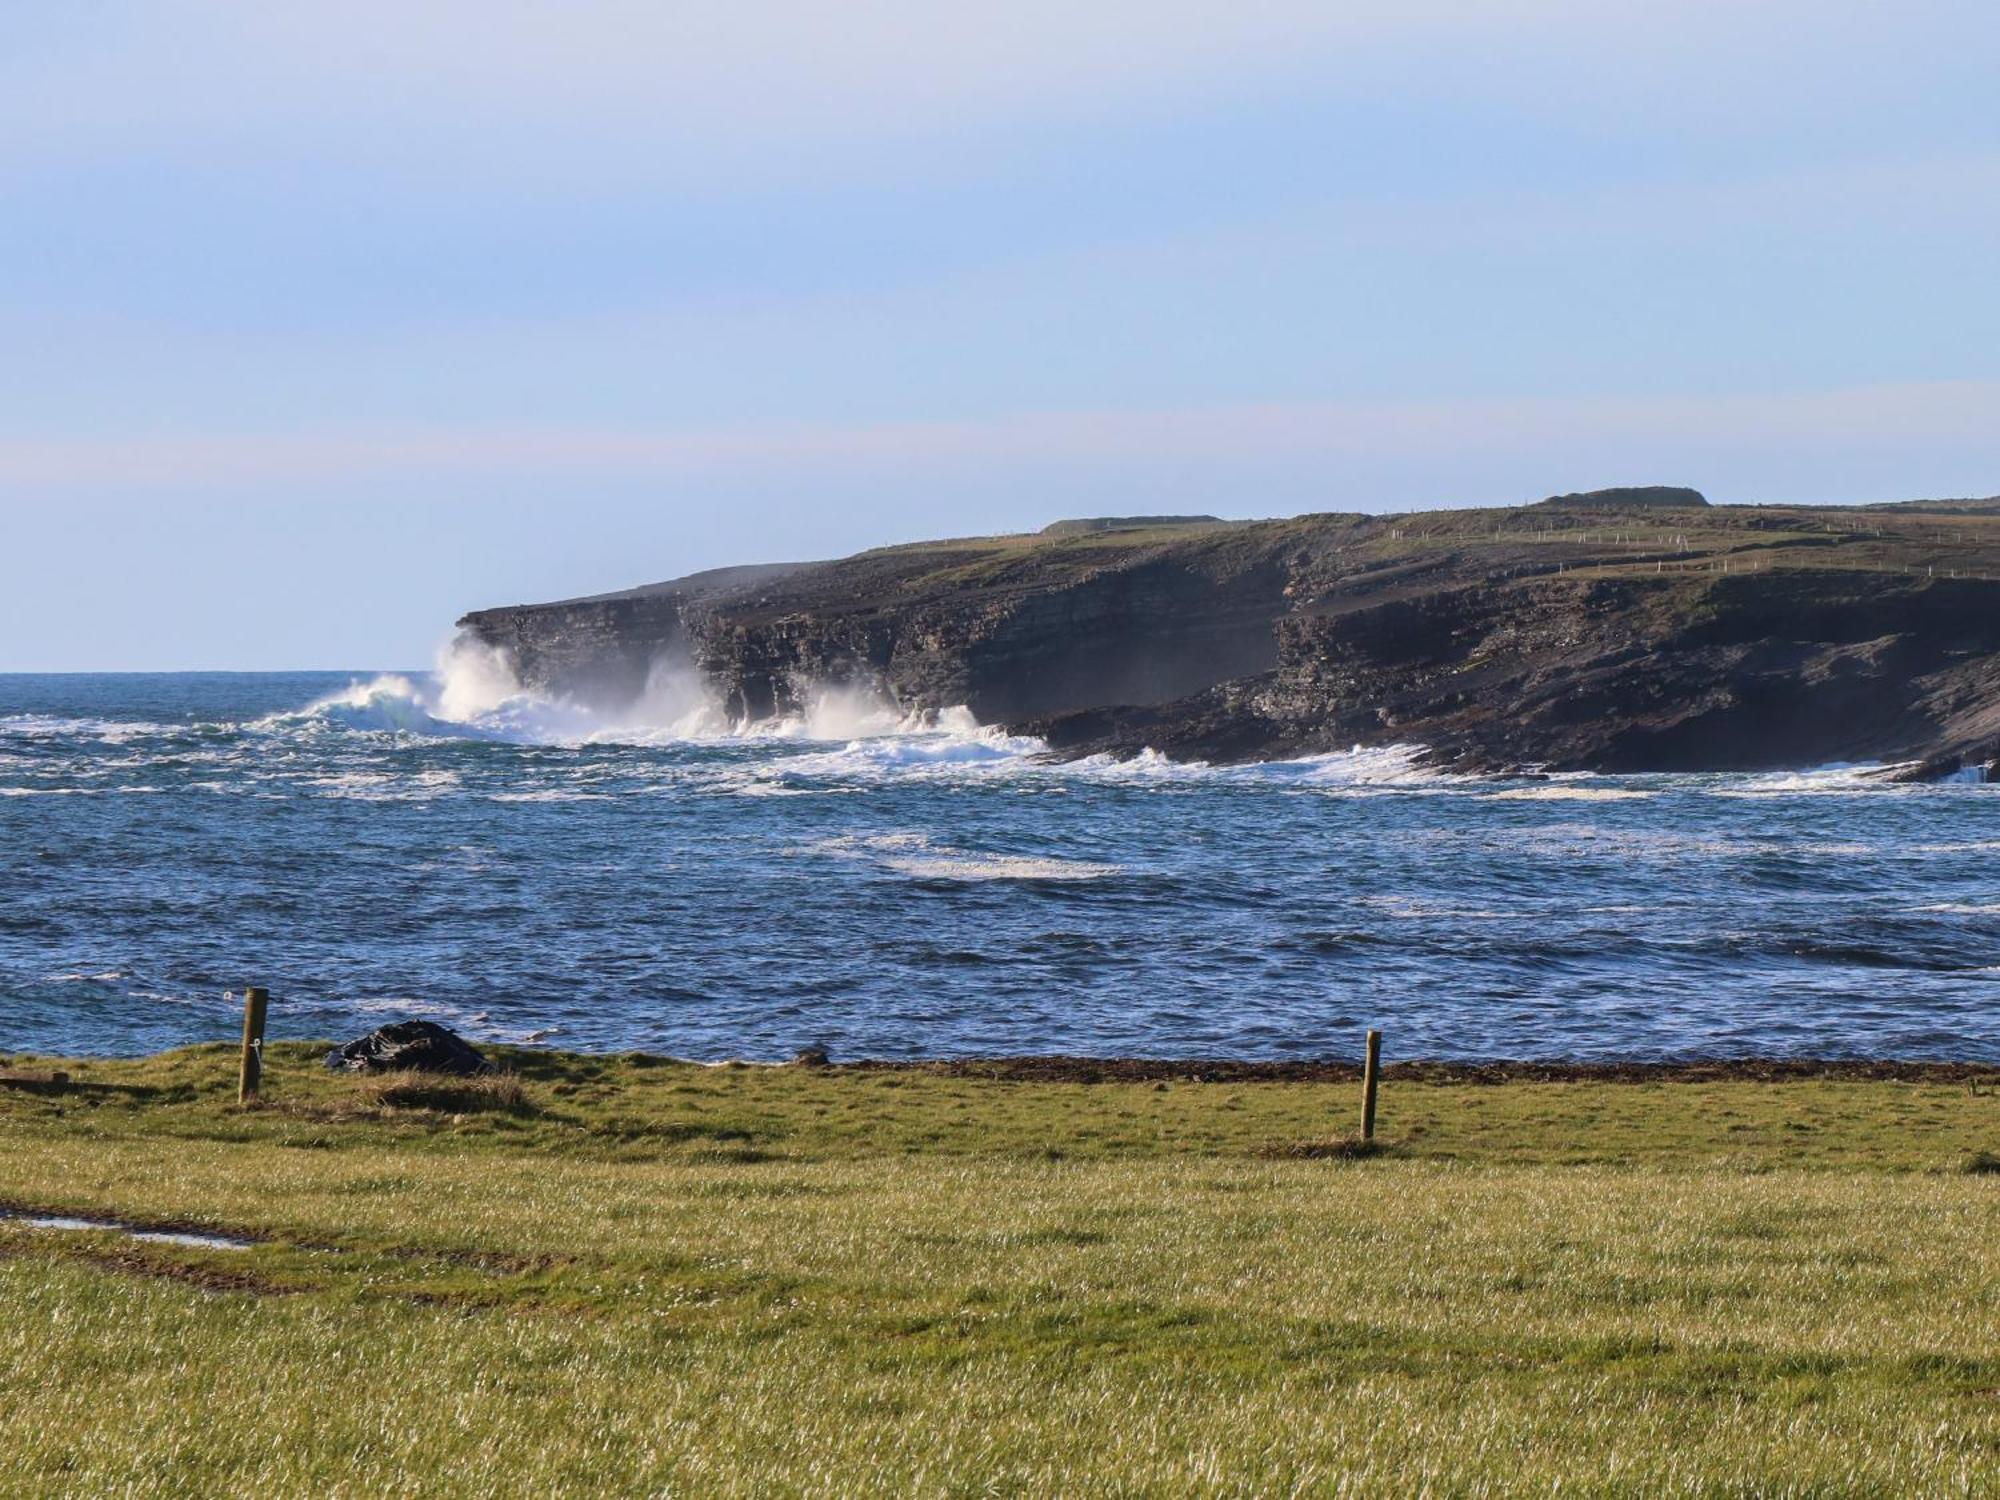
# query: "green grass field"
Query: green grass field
639,1277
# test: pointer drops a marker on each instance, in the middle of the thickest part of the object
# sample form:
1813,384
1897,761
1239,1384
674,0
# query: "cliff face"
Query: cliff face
1014,630
1583,636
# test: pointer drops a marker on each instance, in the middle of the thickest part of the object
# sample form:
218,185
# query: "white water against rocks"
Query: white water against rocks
898,885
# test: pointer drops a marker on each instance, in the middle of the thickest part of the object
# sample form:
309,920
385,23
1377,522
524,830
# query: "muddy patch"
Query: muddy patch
136,1262
188,1238
188,1234
201,1277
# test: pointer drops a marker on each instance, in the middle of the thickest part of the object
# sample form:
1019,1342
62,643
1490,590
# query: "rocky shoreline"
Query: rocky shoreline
34,1074
1619,631
1060,1069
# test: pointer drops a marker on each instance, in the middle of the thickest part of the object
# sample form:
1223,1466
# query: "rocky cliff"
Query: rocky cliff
1608,631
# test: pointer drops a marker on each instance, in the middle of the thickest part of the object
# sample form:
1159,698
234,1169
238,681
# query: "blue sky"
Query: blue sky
323,322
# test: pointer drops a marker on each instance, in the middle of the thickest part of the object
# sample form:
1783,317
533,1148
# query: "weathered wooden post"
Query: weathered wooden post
256,1003
1370,1076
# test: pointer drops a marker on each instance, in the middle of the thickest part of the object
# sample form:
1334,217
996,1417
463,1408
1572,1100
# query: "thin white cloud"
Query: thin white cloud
499,82
1889,422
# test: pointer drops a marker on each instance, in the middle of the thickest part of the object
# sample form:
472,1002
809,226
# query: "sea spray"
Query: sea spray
475,692
677,702
473,678
930,886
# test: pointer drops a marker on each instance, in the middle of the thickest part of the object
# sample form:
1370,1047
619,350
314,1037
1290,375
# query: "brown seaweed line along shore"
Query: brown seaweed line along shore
25,1074
1061,1069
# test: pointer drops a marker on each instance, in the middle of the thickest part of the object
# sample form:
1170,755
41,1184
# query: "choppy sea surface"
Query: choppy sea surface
371,848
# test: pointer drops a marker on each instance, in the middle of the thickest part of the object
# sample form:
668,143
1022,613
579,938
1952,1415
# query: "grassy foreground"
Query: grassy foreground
638,1277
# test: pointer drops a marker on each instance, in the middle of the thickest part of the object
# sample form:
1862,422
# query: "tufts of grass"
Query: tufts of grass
1332,1148
671,1279
1982,1164
489,1093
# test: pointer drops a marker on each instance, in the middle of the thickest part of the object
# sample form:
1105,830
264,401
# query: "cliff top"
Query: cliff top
1598,532
1628,497
1090,524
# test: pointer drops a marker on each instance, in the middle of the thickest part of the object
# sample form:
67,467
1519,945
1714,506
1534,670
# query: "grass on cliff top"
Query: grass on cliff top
639,1277
1507,542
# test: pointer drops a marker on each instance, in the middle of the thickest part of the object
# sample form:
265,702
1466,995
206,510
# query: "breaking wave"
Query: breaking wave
474,693
841,733
442,843
471,693
840,738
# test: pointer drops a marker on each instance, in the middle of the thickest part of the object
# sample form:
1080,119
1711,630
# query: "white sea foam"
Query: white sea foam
384,786
1363,767
1568,793
852,737
1371,766
950,743
840,736
111,731
916,855
1403,906
473,692
462,698
160,997
1835,778
466,697
944,865
79,791
1584,840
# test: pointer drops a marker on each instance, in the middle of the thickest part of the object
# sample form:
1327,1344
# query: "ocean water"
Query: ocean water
440,845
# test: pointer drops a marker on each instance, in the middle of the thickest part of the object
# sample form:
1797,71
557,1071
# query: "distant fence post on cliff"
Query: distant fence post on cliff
1371,1074
256,1003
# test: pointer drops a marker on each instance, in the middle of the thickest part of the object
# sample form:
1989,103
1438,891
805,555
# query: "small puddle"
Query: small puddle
156,1236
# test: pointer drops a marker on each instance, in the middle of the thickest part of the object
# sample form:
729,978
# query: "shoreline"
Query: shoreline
17,1068
1067,1069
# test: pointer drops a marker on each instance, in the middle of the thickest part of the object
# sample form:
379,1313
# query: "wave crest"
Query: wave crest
475,692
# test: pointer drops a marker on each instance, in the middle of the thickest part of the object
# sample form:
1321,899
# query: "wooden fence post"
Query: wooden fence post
256,1003
1370,1076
